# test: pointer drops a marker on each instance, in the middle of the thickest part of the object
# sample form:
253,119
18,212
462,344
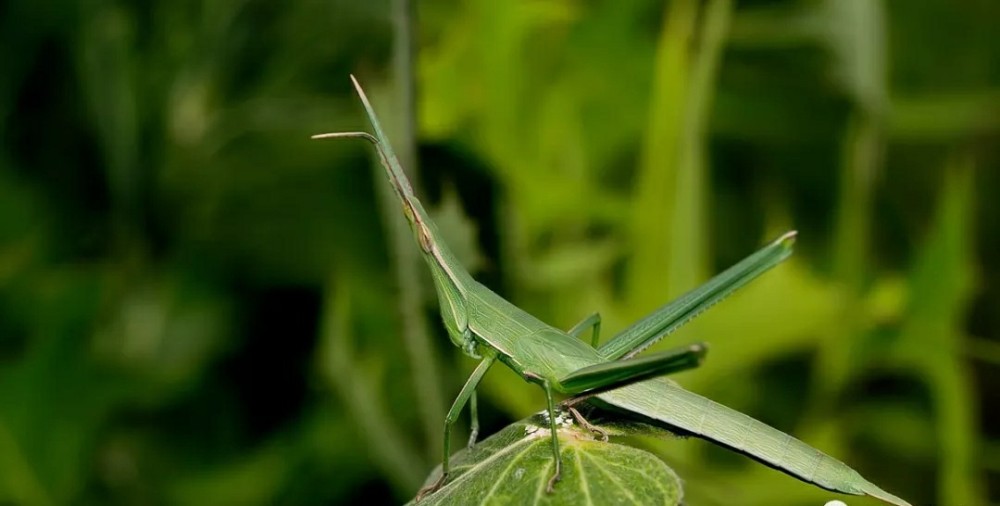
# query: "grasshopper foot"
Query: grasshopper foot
472,438
551,487
556,476
587,425
430,489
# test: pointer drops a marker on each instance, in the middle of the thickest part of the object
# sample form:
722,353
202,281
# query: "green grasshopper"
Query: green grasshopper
489,328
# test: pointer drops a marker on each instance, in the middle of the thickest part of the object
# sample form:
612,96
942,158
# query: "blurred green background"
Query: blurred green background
198,305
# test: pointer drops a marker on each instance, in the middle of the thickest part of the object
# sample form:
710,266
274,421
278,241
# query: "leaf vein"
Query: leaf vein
503,474
600,467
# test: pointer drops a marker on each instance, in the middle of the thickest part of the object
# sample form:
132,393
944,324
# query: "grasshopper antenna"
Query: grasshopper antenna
363,135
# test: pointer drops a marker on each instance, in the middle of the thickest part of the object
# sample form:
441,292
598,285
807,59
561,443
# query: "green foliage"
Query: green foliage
514,466
198,304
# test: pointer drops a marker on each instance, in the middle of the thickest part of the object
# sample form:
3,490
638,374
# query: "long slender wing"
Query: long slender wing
668,318
664,401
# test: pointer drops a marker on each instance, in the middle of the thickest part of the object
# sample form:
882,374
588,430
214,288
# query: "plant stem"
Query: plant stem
423,365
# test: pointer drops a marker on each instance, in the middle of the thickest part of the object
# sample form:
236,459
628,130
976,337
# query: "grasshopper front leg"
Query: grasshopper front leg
468,392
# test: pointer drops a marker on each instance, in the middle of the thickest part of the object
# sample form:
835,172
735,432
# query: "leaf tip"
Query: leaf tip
788,240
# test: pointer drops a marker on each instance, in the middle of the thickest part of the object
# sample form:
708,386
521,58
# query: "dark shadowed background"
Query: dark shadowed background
199,305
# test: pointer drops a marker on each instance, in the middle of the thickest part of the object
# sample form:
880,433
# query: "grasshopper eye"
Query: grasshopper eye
424,237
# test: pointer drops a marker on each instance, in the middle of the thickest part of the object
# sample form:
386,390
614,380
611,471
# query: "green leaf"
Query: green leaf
514,466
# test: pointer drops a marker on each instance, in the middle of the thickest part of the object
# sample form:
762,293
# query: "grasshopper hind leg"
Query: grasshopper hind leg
592,322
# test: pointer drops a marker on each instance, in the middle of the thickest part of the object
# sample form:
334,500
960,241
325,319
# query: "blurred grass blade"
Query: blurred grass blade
389,448
941,286
652,271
